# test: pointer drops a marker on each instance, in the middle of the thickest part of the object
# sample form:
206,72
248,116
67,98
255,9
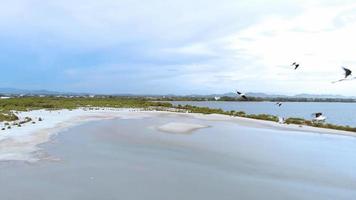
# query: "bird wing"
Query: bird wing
318,114
344,79
347,72
239,93
296,66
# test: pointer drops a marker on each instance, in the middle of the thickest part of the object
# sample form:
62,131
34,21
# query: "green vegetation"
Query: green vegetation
207,110
336,127
301,121
8,116
53,103
293,120
9,108
264,117
203,110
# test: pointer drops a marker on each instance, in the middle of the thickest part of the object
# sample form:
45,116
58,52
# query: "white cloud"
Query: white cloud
313,39
207,45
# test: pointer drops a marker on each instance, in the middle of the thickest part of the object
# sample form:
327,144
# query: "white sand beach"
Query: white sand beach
19,143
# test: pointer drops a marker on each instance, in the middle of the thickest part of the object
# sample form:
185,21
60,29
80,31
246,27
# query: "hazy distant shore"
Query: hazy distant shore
20,143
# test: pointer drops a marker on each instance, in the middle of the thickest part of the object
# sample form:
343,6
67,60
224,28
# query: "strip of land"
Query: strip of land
27,122
21,142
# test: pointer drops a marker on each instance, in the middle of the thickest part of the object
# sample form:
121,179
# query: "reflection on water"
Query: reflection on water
337,113
130,159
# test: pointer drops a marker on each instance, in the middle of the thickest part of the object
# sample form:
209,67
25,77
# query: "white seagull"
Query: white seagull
279,104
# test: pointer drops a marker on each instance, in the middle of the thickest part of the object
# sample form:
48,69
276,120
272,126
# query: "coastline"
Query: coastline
257,123
20,143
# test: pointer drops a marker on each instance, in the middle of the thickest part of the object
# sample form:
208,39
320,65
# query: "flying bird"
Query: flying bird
296,65
347,72
279,104
348,75
319,117
242,95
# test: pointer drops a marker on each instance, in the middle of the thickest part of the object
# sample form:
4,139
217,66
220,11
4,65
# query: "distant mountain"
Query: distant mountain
323,96
264,95
22,91
15,91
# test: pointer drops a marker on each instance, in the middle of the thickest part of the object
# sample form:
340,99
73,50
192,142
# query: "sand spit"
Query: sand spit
21,143
268,124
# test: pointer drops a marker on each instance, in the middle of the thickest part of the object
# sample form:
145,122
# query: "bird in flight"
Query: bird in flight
296,65
242,95
279,104
347,72
319,117
348,75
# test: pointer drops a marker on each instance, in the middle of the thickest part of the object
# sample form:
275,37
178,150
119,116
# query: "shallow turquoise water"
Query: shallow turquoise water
131,160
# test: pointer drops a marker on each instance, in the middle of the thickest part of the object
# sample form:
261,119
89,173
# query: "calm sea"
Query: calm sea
336,113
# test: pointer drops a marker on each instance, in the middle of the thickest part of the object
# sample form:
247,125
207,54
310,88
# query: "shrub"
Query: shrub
8,116
263,117
293,120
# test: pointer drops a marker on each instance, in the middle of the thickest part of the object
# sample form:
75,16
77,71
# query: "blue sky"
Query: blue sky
177,46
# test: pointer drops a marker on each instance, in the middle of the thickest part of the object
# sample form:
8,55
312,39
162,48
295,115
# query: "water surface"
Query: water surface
337,113
130,159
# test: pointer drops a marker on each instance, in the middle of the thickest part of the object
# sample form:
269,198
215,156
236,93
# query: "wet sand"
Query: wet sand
180,128
131,158
19,143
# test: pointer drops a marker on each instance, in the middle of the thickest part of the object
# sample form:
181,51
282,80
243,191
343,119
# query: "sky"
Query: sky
178,46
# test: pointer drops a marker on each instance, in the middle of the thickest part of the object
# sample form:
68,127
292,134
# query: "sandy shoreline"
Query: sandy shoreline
19,143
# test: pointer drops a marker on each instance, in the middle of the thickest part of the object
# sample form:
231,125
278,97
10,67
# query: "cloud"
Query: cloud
176,46
321,39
